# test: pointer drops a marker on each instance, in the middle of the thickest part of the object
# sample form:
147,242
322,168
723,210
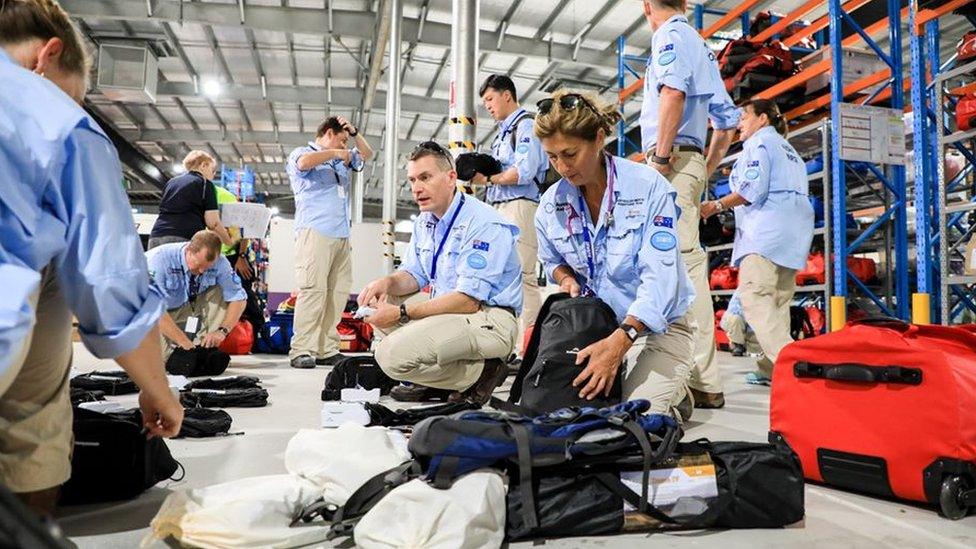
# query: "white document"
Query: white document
253,219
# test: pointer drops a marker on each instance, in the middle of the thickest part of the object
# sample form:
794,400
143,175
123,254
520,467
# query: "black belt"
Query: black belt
509,310
513,200
682,148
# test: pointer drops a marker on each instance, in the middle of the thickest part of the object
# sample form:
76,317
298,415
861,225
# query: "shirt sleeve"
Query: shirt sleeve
754,176
548,255
209,196
411,261
356,161
483,258
670,68
103,270
722,111
16,312
661,269
529,155
229,282
291,166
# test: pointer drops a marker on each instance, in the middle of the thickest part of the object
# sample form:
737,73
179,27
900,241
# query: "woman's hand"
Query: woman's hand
569,285
605,357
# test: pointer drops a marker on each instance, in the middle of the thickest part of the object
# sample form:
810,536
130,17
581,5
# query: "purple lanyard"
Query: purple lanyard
587,238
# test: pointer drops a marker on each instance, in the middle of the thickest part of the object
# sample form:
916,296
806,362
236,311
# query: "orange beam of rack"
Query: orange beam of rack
926,15
821,23
964,90
631,89
732,15
850,89
786,21
906,85
797,79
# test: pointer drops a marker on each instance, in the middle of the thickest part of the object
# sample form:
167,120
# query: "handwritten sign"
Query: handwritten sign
253,219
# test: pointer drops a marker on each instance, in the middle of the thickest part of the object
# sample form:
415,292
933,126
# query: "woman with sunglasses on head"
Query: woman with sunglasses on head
607,228
773,227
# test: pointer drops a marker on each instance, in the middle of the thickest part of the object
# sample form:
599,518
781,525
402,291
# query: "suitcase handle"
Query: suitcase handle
883,320
859,373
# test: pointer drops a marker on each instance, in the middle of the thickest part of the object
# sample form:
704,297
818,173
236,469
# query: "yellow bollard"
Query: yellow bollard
838,312
921,309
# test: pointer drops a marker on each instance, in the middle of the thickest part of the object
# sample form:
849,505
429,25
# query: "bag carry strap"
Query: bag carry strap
345,518
859,373
521,433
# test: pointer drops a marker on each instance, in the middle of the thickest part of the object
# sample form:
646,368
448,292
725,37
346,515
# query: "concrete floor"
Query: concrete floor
833,518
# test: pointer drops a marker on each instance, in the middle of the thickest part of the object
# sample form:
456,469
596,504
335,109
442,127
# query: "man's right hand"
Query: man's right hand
345,155
186,344
375,291
162,413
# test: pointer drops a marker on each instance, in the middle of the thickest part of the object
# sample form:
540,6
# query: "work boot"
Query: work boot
41,502
492,376
514,363
330,360
411,392
738,349
304,362
686,407
707,400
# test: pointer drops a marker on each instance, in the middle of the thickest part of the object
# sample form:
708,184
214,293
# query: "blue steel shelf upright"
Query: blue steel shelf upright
892,177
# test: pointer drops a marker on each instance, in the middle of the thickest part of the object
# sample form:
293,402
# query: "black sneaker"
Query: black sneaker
418,393
492,377
738,350
304,362
330,360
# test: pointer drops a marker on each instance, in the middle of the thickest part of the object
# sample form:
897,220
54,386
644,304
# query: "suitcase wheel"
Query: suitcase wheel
956,497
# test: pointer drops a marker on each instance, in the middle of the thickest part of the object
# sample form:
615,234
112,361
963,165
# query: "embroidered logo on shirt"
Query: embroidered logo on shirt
666,47
477,261
523,148
752,173
663,241
753,164
524,140
662,221
480,245
666,58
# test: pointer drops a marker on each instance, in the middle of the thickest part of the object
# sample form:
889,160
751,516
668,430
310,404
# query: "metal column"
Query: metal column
921,300
464,71
391,147
358,192
838,210
898,170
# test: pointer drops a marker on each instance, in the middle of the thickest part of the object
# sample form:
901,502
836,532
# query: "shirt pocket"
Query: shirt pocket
570,248
623,244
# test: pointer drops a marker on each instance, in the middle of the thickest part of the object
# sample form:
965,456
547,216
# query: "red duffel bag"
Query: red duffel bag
966,112
355,335
722,342
813,273
240,340
725,277
863,268
966,48
883,407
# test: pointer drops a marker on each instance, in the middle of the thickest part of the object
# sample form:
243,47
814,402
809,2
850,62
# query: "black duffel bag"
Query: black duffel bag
112,460
759,486
254,397
544,382
230,382
199,361
360,371
204,423
381,415
111,383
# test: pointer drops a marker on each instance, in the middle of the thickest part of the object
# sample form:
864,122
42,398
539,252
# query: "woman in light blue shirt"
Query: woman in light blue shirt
609,228
773,227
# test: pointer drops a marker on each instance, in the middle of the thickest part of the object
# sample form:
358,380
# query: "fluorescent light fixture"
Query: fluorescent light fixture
178,168
211,87
274,210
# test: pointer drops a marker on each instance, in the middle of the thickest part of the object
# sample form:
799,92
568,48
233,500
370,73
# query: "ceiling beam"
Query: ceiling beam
358,24
293,139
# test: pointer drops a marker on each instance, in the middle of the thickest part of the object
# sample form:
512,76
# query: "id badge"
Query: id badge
192,325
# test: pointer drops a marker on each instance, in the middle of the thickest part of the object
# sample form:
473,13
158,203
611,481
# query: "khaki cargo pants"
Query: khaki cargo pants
766,290
35,409
522,214
688,178
323,271
659,366
447,351
209,307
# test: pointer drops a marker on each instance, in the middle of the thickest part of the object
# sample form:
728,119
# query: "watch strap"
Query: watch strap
660,159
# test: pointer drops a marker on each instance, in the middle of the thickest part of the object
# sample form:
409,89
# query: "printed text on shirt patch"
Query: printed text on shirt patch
752,173
477,261
480,245
753,164
666,58
664,241
523,148
666,47
663,221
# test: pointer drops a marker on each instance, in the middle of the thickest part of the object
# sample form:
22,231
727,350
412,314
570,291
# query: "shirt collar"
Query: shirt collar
676,17
455,204
765,131
4,58
314,146
506,124
186,268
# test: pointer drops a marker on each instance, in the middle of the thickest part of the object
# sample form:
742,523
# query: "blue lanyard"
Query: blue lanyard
440,247
587,238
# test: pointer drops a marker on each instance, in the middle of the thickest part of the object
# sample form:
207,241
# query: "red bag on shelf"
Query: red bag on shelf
966,48
817,319
864,269
355,335
240,340
966,112
725,277
813,273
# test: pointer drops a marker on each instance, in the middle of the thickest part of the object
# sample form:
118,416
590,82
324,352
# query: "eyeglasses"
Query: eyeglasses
568,102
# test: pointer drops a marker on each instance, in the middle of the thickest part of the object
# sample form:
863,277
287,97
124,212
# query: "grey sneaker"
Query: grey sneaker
304,362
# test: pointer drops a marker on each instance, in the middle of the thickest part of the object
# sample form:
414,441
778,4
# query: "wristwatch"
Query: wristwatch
223,330
660,159
721,207
630,331
404,317
353,132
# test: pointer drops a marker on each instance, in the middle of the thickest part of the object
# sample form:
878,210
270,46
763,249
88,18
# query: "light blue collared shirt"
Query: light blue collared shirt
680,59
638,266
62,204
778,221
479,258
170,273
528,156
322,193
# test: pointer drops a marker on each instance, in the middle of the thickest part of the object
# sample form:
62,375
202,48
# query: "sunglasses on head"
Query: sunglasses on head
568,102
434,147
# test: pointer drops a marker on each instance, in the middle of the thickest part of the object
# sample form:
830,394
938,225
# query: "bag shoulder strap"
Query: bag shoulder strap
532,350
514,127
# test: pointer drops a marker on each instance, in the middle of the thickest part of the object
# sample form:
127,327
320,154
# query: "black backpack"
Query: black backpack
109,383
112,460
199,361
551,176
565,325
381,415
204,423
356,371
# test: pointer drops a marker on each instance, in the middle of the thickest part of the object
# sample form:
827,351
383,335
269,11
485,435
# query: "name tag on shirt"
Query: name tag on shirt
192,325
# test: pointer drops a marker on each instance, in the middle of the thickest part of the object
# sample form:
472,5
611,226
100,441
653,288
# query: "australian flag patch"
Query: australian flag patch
663,221
480,245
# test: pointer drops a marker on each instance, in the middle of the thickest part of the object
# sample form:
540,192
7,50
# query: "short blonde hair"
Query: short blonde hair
583,122
205,240
194,160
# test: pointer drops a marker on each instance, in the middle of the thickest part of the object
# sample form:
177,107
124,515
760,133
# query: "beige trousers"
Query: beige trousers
689,181
209,307
323,270
447,351
522,213
766,290
35,409
659,366
735,328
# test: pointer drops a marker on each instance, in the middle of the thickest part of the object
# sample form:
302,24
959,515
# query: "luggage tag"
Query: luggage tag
360,395
192,325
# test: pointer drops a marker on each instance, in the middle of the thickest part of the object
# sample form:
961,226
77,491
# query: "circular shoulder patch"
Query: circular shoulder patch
523,148
477,261
663,240
752,173
666,58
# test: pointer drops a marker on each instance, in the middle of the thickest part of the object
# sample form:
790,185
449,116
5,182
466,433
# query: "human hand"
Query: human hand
346,125
479,179
569,285
162,413
664,169
213,339
605,357
375,291
186,344
710,208
386,316
243,268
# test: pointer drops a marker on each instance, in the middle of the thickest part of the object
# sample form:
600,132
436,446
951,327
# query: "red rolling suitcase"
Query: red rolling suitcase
883,407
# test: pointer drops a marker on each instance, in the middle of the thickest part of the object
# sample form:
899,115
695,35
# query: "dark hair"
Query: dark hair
499,83
771,110
583,121
22,20
433,149
673,4
330,123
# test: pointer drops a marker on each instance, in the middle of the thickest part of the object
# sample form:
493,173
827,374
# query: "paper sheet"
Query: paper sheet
253,219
